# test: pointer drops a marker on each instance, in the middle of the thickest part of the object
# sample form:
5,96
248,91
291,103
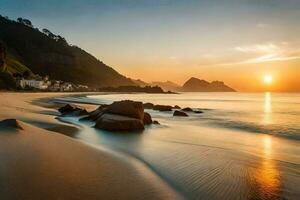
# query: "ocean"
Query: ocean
243,145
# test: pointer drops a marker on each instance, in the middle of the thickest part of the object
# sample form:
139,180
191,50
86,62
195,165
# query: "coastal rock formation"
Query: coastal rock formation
127,108
162,107
113,122
120,116
187,109
148,105
197,85
147,119
180,113
70,109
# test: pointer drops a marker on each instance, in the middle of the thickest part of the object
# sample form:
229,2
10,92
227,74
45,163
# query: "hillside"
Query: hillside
197,85
44,53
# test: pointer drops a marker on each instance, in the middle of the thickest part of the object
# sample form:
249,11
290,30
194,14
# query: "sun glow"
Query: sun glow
268,79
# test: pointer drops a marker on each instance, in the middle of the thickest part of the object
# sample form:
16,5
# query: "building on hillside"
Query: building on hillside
54,86
37,84
66,87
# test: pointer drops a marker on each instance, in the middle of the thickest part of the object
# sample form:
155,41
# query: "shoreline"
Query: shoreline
69,167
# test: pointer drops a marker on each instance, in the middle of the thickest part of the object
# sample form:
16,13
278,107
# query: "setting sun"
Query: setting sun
268,79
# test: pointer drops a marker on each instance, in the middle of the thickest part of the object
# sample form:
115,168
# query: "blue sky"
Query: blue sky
204,38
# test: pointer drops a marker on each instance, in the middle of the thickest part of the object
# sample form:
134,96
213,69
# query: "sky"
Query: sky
236,41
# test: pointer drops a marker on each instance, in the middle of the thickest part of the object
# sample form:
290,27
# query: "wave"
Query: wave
273,129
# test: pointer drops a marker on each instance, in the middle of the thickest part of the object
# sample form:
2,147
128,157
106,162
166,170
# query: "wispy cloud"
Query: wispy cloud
270,52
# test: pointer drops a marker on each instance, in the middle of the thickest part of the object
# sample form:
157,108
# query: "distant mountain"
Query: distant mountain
197,85
42,52
140,82
167,86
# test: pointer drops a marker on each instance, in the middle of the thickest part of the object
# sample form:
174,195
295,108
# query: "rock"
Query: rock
177,107
187,109
198,111
94,115
180,113
11,124
70,109
147,119
156,122
113,122
127,108
162,108
148,105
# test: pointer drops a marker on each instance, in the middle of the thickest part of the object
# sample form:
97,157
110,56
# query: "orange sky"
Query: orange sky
236,41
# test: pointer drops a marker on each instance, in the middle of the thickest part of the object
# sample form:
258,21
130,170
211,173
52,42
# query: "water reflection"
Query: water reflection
267,108
267,177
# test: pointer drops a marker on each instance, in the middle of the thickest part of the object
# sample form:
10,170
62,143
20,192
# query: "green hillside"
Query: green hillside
44,53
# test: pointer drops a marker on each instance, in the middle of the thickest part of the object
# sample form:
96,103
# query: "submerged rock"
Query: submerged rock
70,109
187,109
148,105
156,122
180,113
162,108
113,122
198,111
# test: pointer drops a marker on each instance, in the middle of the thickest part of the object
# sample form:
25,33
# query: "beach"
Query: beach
37,163
226,152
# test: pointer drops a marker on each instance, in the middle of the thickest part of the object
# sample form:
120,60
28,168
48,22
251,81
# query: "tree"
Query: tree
26,22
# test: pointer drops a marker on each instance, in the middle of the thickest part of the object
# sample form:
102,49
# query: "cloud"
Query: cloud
259,48
270,52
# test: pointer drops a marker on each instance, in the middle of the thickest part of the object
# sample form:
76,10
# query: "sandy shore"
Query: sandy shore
38,163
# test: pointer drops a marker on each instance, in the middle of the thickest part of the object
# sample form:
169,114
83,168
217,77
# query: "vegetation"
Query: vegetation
46,53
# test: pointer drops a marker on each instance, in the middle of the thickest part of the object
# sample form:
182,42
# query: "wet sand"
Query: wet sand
40,164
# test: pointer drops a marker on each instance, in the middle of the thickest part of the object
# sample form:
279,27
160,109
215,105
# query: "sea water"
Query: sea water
243,145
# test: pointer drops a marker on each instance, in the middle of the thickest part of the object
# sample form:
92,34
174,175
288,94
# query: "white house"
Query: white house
32,83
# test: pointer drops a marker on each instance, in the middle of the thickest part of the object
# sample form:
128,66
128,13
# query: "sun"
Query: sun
268,79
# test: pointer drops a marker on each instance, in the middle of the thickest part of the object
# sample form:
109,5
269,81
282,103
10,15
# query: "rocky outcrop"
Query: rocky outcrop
70,109
180,113
127,108
113,122
120,116
162,107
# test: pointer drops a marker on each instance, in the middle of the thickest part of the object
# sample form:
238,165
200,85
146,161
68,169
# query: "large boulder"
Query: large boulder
147,119
179,113
127,108
162,108
113,122
70,109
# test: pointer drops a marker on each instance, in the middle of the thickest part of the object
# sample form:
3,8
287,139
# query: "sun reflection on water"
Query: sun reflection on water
267,108
267,176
